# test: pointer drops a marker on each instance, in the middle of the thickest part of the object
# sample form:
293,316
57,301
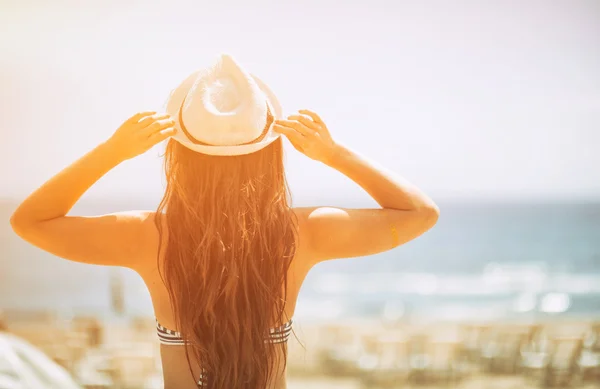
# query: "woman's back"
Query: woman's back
176,372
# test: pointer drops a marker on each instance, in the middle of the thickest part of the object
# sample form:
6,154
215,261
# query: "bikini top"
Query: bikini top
276,335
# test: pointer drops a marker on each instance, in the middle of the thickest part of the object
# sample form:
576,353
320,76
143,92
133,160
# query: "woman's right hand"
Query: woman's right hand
140,132
308,134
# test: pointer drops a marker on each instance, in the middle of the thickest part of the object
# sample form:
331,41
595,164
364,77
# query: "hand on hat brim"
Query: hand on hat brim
308,134
140,133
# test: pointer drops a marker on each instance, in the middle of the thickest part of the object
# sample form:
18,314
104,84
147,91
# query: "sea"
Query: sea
482,261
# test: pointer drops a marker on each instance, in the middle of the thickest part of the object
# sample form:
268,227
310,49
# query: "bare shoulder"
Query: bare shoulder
328,232
144,235
143,220
114,239
150,234
137,230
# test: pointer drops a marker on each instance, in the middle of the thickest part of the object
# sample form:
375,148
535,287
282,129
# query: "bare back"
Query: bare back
175,366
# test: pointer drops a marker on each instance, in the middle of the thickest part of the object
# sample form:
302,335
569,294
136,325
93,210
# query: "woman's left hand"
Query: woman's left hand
309,134
140,133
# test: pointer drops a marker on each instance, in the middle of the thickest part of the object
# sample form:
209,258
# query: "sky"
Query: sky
467,99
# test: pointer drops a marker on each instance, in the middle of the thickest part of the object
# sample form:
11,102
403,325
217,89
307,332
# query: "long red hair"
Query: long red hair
230,239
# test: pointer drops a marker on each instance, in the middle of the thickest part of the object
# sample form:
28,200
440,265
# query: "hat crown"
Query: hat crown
223,110
224,106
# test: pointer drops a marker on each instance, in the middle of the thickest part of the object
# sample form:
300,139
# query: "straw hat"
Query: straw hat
223,110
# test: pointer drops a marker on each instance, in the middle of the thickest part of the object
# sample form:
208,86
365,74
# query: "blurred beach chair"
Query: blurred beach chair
592,338
133,370
589,363
418,360
92,370
474,337
558,364
501,353
341,348
95,380
447,363
125,366
384,362
436,359
131,366
393,358
50,336
90,329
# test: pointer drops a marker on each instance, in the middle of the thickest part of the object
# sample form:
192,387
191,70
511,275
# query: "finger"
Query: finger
298,147
148,120
296,125
313,115
293,135
161,135
135,118
306,121
158,125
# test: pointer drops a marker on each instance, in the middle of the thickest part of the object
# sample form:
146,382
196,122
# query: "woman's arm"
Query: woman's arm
109,239
406,213
329,232
387,188
57,196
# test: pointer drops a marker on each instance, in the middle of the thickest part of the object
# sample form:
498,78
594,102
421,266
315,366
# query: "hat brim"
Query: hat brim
176,99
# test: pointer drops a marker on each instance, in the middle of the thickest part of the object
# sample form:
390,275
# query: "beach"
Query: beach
351,354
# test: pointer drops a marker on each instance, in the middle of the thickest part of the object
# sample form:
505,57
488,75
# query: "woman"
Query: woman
224,256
